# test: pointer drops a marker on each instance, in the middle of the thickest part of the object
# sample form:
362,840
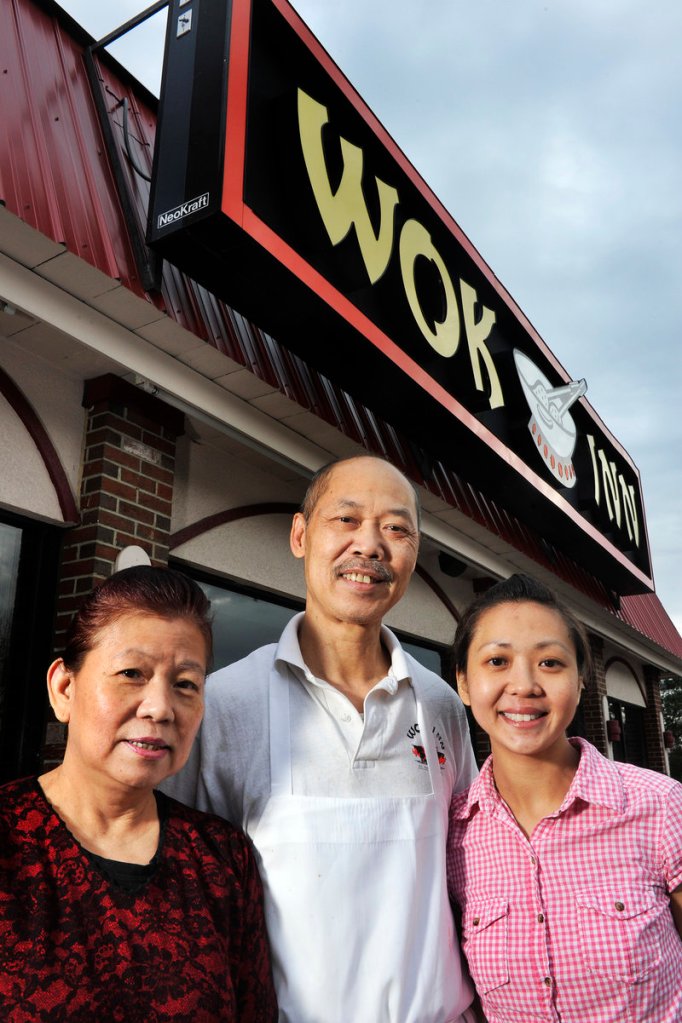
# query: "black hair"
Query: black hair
141,589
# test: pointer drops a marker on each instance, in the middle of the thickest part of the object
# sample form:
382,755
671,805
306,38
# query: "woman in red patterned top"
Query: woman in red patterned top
567,867
116,902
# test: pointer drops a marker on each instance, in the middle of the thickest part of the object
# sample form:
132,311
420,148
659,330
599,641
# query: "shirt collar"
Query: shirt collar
597,780
481,793
289,650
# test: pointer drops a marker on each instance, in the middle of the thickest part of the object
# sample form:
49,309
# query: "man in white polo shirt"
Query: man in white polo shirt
338,754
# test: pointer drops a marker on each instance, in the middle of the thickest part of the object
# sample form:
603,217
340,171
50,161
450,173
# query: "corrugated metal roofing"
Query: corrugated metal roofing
57,175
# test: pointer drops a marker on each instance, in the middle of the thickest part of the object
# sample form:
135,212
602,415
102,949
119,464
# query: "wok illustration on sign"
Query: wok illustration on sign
551,425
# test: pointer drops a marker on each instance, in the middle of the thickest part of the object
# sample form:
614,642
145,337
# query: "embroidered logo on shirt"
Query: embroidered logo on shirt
418,751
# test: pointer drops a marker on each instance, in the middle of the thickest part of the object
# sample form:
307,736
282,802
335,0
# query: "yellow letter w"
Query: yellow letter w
346,207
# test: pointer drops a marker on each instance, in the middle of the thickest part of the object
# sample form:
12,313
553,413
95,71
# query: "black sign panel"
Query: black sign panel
277,188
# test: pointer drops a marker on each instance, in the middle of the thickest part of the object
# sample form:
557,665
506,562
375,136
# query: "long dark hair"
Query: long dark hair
519,589
141,589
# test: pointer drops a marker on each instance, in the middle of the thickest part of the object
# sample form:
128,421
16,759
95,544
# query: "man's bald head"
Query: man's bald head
320,482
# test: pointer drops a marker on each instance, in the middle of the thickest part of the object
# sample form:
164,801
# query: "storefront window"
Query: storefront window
10,550
430,658
242,622
245,620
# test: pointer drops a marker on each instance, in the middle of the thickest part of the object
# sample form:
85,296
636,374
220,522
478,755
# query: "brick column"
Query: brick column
653,734
593,699
126,497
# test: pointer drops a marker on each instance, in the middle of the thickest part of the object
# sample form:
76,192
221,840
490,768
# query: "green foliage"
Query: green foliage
671,700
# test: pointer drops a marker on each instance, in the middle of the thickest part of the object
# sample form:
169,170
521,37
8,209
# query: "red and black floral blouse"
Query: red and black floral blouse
80,940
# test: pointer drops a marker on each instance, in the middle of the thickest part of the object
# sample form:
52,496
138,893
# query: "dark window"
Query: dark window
243,621
10,550
28,586
430,657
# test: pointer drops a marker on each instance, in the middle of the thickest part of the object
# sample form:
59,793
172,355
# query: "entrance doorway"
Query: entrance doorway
631,748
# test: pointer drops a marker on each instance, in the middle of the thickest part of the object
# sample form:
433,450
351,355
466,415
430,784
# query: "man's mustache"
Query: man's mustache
376,570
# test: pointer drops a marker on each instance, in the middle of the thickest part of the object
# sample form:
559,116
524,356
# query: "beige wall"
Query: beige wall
214,473
25,485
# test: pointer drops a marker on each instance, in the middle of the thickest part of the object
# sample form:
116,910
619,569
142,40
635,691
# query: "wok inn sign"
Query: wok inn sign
276,187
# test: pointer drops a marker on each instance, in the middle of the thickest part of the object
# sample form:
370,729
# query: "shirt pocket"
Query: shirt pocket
485,941
620,929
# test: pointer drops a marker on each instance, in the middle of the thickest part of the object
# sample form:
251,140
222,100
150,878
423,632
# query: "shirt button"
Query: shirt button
620,907
476,921
541,918
345,717
547,982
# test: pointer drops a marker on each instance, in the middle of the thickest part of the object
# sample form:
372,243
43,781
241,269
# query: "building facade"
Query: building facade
139,409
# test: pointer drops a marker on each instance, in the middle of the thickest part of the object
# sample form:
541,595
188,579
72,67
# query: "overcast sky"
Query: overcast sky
551,132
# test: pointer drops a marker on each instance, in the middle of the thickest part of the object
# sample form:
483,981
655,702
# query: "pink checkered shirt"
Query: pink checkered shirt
573,925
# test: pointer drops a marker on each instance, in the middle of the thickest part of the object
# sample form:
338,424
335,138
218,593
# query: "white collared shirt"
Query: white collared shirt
335,749
340,741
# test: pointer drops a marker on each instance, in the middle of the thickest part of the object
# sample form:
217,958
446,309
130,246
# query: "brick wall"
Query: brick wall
593,699
126,497
653,735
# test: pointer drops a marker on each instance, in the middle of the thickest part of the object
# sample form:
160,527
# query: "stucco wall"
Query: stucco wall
55,398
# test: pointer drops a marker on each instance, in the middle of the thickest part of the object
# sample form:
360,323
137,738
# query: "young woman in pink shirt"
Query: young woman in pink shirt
566,866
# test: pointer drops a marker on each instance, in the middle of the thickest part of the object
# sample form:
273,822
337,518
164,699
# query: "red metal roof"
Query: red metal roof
645,613
56,174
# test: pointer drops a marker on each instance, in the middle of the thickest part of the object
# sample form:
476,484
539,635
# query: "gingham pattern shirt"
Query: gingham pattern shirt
574,924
